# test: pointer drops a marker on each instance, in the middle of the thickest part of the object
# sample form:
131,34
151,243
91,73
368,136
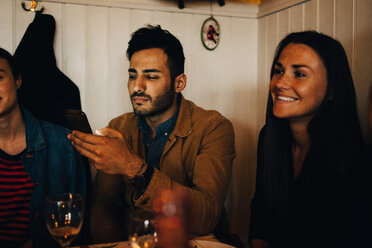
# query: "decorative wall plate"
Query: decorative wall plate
210,33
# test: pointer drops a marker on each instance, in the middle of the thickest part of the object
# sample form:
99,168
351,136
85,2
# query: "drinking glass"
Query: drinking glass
142,234
64,215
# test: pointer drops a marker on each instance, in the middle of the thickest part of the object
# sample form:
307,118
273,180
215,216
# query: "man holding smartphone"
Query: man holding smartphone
167,142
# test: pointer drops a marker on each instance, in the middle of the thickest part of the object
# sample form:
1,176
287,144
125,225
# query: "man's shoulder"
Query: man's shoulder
124,121
199,121
201,115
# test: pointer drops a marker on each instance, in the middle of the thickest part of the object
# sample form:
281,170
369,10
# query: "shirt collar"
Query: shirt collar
165,127
34,134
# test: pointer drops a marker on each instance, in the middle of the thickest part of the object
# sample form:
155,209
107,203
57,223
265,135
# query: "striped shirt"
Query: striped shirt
15,195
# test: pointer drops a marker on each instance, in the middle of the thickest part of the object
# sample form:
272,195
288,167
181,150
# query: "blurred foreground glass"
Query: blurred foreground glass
171,216
142,234
64,215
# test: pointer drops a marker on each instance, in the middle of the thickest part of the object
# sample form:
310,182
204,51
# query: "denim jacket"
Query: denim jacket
54,167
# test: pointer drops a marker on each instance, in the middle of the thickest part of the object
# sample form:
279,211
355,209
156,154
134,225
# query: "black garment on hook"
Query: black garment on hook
45,91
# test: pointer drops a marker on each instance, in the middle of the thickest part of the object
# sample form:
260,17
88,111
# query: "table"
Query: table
193,244
122,244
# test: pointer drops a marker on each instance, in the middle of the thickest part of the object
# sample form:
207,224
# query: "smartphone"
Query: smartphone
77,120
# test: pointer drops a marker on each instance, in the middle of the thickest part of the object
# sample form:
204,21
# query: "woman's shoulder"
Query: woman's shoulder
35,126
262,132
54,136
49,128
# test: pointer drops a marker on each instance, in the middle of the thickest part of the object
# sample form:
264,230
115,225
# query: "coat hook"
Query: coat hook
221,2
181,5
33,6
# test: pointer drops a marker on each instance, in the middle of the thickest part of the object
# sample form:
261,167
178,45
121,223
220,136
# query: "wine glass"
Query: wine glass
64,215
142,234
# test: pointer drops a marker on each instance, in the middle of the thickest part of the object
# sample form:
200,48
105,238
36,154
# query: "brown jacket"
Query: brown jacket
197,159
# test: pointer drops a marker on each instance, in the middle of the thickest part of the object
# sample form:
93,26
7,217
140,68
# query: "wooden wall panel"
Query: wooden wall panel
326,17
296,18
139,18
344,26
22,20
216,78
283,23
55,9
363,59
96,97
190,39
118,64
219,84
164,19
74,46
201,66
272,38
271,43
240,91
262,73
6,25
311,15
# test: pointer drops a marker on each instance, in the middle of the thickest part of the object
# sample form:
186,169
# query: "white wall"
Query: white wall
90,44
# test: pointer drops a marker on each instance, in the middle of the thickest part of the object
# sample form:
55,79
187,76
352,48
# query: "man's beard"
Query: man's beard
159,105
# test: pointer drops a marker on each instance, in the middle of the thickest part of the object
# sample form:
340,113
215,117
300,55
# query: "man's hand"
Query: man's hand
109,152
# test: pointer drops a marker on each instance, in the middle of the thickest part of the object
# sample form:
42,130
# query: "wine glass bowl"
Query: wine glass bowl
64,215
142,234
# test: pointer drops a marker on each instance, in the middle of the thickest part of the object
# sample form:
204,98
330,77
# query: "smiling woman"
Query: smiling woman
305,148
299,83
9,83
36,159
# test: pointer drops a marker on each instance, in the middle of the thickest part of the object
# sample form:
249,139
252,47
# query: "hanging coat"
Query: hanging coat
46,92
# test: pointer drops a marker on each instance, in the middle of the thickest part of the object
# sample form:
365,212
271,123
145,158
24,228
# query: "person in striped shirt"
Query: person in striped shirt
36,160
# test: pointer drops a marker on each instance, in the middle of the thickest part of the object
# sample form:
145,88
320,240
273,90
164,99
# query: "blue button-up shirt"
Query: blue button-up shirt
154,147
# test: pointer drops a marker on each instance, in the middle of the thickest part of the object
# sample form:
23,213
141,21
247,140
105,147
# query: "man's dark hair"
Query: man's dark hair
156,37
4,54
